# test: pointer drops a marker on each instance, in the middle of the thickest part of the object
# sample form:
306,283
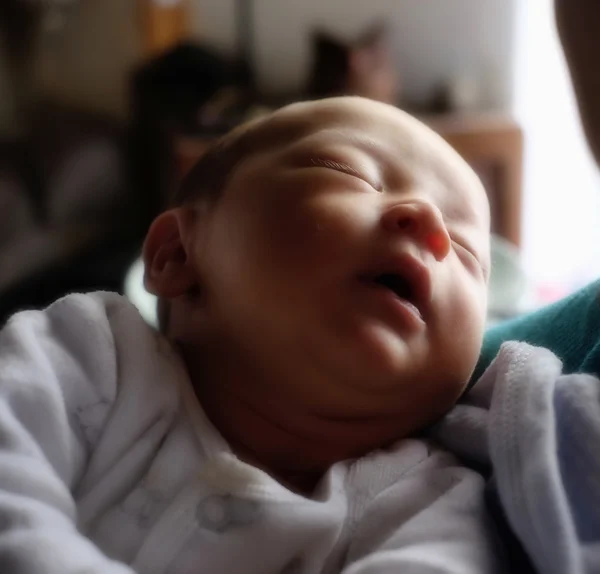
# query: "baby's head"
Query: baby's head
335,253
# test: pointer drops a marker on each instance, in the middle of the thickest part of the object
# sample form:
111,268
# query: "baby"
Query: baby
323,273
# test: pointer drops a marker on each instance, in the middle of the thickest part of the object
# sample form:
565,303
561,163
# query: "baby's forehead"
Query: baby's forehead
399,141
304,119
366,124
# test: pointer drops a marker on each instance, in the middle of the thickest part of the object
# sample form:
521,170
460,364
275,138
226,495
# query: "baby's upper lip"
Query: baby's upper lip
413,271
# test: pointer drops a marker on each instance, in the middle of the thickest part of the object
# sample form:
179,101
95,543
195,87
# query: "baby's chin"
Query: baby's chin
397,379
382,359
418,401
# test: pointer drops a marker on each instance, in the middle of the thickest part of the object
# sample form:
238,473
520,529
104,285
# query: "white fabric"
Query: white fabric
539,430
109,466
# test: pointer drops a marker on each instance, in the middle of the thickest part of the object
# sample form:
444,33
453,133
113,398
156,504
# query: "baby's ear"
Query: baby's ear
168,270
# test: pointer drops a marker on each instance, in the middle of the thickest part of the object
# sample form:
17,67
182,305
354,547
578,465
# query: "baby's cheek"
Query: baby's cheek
461,318
468,333
316,233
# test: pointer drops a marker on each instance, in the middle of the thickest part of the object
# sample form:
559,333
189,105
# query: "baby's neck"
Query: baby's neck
292,444
279,446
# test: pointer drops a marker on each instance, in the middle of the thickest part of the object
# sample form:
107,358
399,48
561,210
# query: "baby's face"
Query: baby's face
353,261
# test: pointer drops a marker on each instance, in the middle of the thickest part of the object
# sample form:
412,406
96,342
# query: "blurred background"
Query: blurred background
104,105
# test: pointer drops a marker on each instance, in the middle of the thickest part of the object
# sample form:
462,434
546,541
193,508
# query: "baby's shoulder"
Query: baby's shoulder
103,319
97,306
98,340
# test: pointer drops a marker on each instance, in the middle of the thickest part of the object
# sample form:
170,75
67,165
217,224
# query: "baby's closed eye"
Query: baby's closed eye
469,257
345,168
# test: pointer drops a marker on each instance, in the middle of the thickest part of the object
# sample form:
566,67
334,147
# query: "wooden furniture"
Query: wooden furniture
491,144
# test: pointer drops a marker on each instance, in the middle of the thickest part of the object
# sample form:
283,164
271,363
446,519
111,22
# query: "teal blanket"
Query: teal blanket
570,328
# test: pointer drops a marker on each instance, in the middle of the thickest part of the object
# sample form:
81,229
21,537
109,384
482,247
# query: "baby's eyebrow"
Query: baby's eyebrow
361,140
369,145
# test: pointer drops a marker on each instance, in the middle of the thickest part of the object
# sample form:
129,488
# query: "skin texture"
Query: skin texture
297,356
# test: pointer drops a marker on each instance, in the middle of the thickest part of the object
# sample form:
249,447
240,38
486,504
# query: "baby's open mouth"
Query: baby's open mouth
401,288
407,278
399,285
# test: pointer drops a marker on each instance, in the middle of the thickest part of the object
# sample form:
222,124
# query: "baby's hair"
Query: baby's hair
211,173
205,182
208,178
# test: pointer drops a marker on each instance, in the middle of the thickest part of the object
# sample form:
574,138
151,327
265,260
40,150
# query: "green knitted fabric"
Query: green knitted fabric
570,328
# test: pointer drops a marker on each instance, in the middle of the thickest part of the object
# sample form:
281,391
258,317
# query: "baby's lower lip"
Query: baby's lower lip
408,313
412,307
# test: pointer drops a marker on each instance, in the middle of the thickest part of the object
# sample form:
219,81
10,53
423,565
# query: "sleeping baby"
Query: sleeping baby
322,274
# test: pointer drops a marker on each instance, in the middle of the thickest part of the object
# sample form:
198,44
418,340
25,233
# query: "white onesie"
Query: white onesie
108,465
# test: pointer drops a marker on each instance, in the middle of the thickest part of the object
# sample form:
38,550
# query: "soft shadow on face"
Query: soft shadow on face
286,251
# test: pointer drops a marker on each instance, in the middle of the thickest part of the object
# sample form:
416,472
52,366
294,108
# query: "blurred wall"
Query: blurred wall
433,39
6,98
86,60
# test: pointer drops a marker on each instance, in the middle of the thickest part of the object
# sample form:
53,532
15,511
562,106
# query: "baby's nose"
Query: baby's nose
422,221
